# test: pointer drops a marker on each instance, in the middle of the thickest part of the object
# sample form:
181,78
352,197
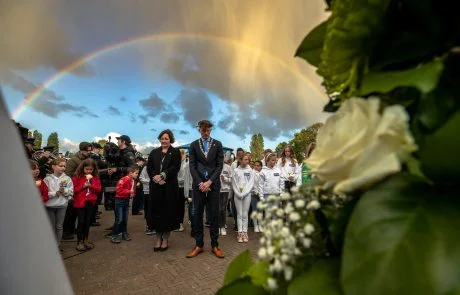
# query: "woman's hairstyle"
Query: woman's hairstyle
34,164
170,135
80,172
133,168
57,161
269,156
283,155
258,162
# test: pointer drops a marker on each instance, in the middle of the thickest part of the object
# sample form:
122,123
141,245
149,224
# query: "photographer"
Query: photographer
118,160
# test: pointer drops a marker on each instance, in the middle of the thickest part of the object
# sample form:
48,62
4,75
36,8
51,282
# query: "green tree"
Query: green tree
38,140
257,146
302,139
53,140
29,134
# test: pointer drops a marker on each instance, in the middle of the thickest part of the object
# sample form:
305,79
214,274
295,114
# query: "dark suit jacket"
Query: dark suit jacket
213,163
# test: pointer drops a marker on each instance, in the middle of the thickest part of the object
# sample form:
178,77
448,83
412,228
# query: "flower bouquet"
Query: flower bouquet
381,214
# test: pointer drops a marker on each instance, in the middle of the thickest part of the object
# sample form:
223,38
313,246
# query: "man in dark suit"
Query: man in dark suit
206,163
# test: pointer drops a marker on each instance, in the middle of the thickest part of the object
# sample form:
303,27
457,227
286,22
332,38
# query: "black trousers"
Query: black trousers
138,202
200,200
98,202
84,220
181,204
148,210
70,218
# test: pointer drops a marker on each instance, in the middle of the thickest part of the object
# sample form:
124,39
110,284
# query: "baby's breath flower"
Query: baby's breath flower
294,216
259,216
300,234
254,215
313,205
285,232
280,212
272,284
299,203
263,240
285,196
270,251
288,273
271,198
307,242
288,208
297,251
309,229
262,253
295,189
284,258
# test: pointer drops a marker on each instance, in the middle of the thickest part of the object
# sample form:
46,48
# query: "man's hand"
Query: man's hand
222,177
205,186
110,171
161,182
157,178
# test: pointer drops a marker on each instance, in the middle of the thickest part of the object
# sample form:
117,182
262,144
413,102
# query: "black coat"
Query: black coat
212,164
165,198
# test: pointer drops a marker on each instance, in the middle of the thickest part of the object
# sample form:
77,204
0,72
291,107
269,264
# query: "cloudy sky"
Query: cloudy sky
228,61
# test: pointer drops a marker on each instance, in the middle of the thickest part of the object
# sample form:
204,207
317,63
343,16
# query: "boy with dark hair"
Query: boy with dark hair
126,189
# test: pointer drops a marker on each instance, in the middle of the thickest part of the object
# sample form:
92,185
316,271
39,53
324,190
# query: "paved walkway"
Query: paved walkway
133,268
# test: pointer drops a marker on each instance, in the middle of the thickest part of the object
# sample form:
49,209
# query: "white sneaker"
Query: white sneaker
256,229
223,231
181,228
239,238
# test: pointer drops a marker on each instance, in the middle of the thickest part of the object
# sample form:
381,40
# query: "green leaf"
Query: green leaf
322,278
340,222
259,273
238,267
332,106
352,32
311,47
242,287
424,77
439,152
403,239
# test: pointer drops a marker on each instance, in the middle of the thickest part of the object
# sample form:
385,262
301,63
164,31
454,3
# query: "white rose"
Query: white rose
358,145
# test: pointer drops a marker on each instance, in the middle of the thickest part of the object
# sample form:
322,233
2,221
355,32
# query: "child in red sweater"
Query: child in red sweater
87,185
126,189
41,185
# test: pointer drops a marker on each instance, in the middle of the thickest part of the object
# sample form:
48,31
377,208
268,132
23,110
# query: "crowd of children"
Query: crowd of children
243,184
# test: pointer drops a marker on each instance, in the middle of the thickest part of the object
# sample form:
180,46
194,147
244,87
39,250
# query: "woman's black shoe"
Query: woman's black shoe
156,249
164,249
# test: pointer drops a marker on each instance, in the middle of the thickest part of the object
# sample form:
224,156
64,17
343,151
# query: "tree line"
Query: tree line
299,143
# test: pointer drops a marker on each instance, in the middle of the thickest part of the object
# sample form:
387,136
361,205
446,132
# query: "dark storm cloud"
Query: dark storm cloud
49,103
31,37
113,111
225,122
169,117
183,132
153,106
123,99
196,105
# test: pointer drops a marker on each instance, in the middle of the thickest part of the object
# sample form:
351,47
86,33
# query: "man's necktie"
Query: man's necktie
205,145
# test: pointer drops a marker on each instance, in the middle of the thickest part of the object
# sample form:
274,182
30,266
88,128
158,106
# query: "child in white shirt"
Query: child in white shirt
243,183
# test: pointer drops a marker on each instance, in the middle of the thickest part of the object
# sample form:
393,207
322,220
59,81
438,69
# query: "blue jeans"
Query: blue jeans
254,201
121,217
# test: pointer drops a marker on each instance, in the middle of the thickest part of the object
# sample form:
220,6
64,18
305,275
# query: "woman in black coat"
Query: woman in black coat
162,167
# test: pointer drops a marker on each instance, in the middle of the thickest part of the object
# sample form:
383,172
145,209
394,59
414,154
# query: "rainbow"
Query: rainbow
34,95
